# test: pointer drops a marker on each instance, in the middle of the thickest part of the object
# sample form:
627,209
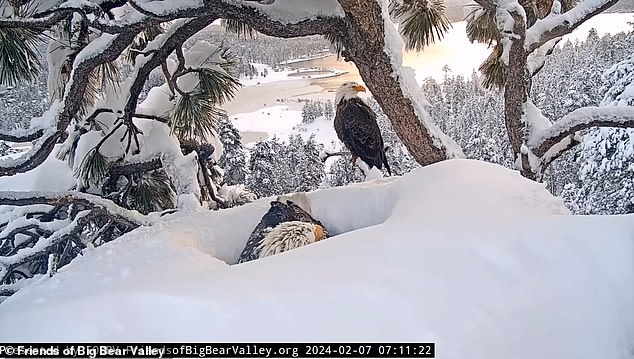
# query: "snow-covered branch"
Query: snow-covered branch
558,25
54,198
41,232
42,22
581,119
537,59
102,50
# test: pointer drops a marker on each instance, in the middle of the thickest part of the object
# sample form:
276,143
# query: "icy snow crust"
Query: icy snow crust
467,254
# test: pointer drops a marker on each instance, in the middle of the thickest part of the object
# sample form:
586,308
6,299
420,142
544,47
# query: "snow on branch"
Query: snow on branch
289,12
158,50
40,232
41,22
406,79
557,25
581,119
510,19
8,198
102,50
285,19
537,59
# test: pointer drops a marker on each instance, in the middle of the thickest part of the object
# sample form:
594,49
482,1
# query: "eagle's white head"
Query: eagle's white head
290,235
348,90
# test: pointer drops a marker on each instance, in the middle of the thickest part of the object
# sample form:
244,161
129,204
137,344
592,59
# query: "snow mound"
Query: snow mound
467,254
53,175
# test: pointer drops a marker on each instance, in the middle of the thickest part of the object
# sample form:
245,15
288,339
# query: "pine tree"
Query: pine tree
607,155
342,173
264,166
233,160
292,167
311,165
329,111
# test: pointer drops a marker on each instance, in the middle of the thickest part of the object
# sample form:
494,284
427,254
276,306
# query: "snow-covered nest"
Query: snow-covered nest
467,254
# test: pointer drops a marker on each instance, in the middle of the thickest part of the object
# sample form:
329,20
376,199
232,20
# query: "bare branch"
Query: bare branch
43,147
537,59
151,117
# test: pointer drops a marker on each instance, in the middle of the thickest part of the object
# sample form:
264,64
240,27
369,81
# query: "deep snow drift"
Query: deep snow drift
464,253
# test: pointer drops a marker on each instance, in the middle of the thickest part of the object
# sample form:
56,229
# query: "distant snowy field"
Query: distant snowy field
467,254
282,122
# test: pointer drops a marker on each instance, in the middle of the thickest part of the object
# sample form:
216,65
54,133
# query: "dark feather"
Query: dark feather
278,213
356,127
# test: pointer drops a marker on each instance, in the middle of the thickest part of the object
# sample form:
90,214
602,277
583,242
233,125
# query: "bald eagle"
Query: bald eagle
290,235
356,127
282,210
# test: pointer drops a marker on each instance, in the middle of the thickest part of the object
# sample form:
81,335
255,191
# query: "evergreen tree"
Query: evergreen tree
343,173
607,155
233,159
311,165
264,166
329,110
292,169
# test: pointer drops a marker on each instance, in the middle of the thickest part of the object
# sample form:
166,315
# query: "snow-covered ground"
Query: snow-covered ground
467,254
281,121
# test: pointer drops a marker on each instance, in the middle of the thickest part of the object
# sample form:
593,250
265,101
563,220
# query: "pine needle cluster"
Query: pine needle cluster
421,22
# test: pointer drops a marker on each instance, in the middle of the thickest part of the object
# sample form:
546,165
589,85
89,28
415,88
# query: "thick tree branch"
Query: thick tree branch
364,41
555,26
131,168
26,138
146,12
554,153
581,119
37,23
261,22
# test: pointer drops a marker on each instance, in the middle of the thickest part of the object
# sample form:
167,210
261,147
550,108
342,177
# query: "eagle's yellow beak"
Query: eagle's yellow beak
319,232
359,88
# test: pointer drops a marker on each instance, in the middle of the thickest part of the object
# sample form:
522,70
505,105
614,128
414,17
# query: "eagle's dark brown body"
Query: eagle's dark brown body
356,127
280,212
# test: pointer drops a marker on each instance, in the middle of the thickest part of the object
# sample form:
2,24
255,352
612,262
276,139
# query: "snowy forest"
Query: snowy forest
473,115
124,164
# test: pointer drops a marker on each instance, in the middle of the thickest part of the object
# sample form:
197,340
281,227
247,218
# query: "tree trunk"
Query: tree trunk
365,44
516,90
